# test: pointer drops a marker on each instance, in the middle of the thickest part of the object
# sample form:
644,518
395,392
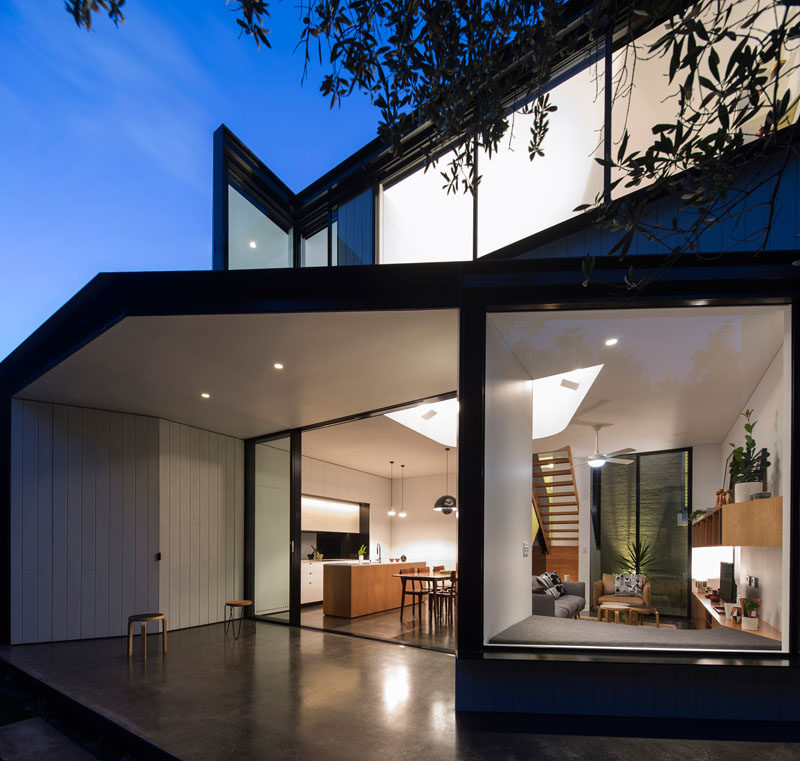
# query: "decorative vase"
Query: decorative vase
360,558
743,491
402,558
749,624
729,606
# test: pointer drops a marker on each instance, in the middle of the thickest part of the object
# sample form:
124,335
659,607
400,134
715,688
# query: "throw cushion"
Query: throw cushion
629,584
557,590
549,580
608,583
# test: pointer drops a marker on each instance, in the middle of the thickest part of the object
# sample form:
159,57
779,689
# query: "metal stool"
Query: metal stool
144,618
231,621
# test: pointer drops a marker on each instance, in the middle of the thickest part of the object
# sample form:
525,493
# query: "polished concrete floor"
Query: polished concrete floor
415,629
285,693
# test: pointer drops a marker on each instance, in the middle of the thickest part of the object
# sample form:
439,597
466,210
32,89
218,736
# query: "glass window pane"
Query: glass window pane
422,223
643,96
314,252
355,230
518,197
254,240
272,537
662,496
334,241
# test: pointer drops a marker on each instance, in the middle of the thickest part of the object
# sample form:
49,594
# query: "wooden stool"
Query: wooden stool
231,621
144,618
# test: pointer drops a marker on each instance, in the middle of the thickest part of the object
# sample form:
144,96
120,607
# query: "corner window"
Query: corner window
254,240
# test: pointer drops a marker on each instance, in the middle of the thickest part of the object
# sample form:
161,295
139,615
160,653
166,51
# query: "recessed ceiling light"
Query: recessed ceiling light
205,396
611,341
252,244
278,365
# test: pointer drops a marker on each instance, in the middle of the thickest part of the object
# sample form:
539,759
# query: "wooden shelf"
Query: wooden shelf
705,617
758,523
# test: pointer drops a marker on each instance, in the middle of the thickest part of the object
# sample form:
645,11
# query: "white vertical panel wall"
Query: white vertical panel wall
507,487
201,523
84,521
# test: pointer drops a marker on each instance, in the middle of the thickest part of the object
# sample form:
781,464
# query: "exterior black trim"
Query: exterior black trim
295,518
471,394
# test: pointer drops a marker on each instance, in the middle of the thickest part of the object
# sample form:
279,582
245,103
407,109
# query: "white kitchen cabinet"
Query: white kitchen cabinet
311,581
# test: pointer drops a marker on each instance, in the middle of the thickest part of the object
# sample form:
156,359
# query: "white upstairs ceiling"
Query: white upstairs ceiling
676,377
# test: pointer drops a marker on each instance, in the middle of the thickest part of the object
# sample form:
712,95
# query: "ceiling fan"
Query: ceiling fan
598,459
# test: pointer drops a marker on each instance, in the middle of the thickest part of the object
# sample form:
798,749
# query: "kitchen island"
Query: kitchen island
351,589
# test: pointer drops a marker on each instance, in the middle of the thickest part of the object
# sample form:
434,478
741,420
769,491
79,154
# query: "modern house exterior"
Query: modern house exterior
131,420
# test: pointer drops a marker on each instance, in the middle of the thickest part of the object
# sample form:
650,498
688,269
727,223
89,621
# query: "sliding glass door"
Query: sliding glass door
273,541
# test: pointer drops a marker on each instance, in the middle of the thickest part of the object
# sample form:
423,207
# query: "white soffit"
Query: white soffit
556,399
335,365
437,420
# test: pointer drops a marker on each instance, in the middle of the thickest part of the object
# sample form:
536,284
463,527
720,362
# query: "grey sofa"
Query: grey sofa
568,606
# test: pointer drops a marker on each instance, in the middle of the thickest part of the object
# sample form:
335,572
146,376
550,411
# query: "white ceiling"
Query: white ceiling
336,364
369,444
677,377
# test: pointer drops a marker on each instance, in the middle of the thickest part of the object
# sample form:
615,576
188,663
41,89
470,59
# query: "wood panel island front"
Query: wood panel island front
351,589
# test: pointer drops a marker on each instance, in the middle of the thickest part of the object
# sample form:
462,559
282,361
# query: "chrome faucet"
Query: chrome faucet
378,549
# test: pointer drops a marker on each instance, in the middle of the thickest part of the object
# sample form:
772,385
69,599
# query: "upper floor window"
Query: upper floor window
254,240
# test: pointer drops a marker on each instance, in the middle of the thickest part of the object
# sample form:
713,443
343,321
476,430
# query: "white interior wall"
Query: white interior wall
425,534
768,564
84,521
201,524
583,487
507,487
706,476
325,479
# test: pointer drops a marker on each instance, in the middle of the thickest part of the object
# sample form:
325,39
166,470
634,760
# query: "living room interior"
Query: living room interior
633,418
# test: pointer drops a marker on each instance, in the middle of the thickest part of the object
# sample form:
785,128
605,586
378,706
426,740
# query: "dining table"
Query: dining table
432,577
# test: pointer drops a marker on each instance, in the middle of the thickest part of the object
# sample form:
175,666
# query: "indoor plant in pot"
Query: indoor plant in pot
362,550
748,465
750,609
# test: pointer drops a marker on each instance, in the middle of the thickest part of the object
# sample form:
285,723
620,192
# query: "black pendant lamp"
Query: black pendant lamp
447,502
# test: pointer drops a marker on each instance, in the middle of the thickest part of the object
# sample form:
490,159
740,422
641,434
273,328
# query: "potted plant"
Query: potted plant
748,465
317,554
362,550
750,609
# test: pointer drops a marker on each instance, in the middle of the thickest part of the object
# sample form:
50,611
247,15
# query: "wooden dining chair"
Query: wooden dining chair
447,596
417,590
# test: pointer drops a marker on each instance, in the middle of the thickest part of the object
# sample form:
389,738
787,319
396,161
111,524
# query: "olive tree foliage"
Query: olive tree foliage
451,70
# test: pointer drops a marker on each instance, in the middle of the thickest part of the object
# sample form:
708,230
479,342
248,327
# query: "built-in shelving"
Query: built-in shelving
758,523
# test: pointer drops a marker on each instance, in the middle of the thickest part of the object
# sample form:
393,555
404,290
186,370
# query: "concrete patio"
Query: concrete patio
298,694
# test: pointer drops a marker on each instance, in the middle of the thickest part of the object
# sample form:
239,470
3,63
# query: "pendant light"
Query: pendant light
402,492
446,503
392,512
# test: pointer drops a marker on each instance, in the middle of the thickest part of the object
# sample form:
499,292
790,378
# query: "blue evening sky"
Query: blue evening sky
106,139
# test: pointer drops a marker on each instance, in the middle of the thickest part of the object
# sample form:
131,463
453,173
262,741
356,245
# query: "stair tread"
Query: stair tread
548,472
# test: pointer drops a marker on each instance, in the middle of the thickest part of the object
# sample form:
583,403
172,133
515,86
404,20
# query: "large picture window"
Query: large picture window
626,497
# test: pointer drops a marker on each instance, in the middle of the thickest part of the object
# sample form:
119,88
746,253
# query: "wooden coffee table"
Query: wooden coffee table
605,610
635,616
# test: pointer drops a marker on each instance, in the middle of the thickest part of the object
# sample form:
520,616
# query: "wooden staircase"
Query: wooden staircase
557,508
